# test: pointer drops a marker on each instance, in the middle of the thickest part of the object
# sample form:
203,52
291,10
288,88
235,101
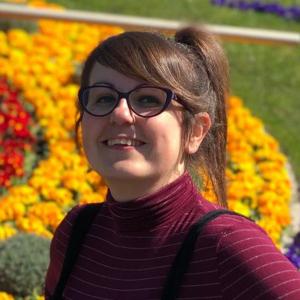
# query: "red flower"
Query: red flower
15,135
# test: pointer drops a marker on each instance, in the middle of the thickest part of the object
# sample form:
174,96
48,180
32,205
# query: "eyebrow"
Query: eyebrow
103,82
112,85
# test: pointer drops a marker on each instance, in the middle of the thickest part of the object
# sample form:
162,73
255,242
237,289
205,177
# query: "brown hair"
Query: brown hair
194,66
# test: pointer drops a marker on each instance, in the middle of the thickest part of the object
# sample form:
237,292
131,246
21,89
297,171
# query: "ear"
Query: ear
202,124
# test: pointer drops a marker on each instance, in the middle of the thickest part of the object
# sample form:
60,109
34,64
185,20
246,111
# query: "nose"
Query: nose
122,113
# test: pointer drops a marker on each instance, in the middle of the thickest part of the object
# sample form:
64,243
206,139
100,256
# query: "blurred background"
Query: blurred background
42,175
267,77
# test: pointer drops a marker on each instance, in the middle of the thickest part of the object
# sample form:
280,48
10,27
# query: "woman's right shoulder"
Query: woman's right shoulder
59,245
72,214
64,227
63,230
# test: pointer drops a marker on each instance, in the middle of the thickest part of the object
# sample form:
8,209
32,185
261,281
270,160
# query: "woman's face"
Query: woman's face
153,159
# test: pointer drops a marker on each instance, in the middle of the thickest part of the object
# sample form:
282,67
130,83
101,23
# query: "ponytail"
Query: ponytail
212,152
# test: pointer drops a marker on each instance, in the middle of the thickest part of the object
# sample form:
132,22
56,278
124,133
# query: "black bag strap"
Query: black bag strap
183,256
80,228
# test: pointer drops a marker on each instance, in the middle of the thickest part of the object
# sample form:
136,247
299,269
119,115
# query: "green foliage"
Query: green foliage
6,25
24,260
267,78
188,10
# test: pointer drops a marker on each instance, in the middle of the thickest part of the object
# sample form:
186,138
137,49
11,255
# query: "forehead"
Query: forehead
103,74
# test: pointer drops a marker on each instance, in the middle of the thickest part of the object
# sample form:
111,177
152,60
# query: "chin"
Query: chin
123,172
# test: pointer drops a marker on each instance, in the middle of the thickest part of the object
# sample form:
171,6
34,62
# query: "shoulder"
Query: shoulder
227,225
230,226
230,233
249,265
63,231
236,238
235,233
58,246
64,228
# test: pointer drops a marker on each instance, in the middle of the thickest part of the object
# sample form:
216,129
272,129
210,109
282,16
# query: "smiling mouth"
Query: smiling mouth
123,142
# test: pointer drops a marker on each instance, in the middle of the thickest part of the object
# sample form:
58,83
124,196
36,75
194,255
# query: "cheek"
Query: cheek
167,136
91,129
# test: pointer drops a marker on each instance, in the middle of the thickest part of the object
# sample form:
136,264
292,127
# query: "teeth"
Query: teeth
123,141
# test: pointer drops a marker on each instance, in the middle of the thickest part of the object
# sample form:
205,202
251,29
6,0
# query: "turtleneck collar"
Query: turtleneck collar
156,209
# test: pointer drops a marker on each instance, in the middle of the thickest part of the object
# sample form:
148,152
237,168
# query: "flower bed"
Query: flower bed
43,67
15,135
291,12
44,73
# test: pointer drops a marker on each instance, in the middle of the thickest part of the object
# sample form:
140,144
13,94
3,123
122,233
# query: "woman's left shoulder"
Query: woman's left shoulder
231,223
249,264
228,223
235,232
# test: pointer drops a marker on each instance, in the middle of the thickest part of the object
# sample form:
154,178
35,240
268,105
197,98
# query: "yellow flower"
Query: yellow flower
6,231
62,196
19,38
240,207
4,48
44,4
91,197
49,213
19,210
5,296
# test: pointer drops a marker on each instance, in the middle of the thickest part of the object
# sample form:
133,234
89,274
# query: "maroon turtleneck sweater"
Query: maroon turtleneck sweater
130,247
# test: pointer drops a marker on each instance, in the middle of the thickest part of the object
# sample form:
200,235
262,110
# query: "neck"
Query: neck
133,188
157,210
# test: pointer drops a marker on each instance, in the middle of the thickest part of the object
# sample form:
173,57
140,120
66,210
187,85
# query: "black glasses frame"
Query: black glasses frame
170,96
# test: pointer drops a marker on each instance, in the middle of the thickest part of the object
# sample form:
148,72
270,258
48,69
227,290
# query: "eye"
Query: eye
106,99
148,101
101,100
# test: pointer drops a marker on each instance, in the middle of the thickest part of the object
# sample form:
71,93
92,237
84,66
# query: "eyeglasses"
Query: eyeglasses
145,101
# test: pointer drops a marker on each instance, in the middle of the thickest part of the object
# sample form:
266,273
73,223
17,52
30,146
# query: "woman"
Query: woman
152,111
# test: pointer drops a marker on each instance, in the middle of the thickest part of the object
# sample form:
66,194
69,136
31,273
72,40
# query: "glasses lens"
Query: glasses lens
148,101
99,100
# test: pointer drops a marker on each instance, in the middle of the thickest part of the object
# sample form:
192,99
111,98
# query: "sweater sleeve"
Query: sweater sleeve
251,267
57,250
